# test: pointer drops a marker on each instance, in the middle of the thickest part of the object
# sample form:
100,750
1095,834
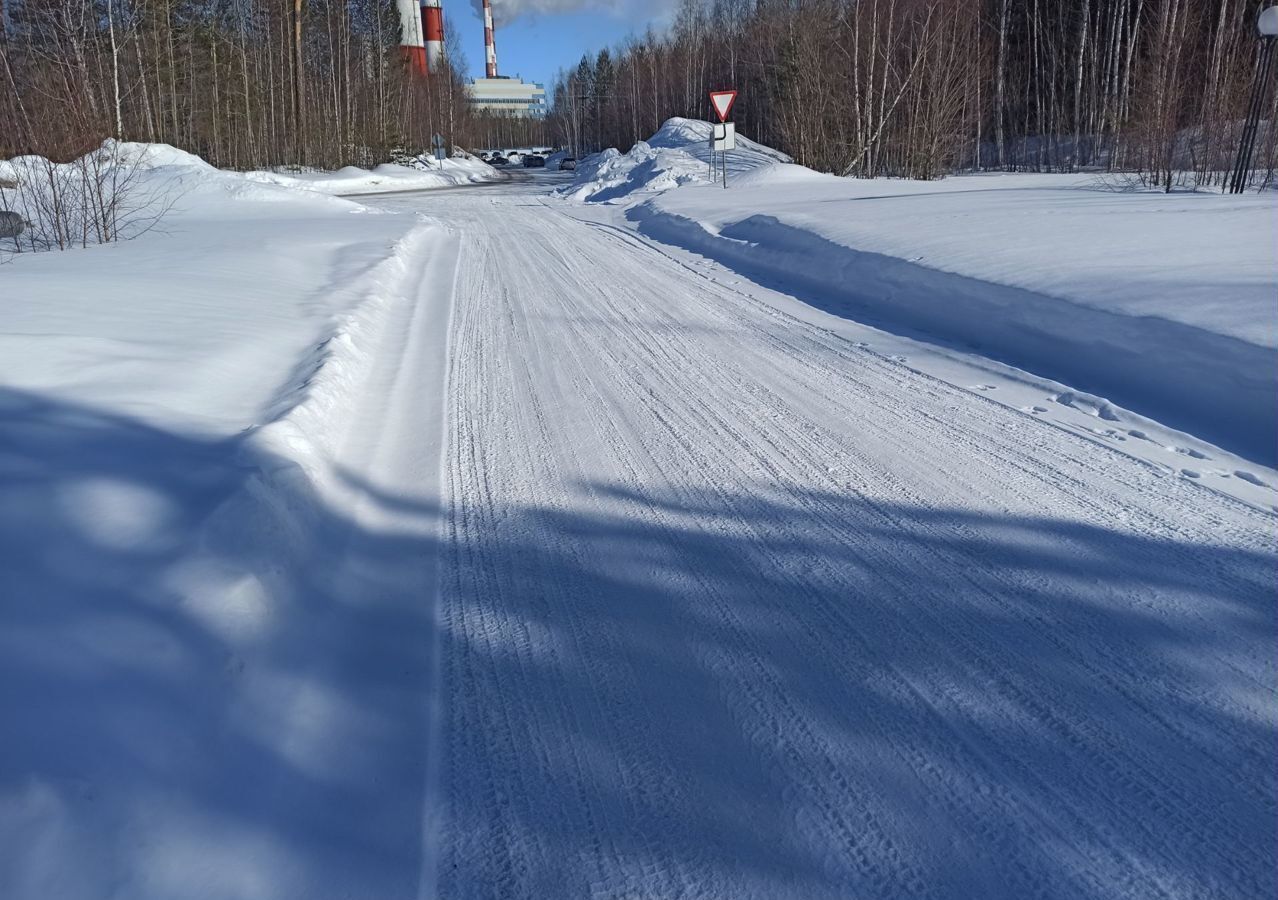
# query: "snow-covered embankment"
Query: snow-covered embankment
1160,304
427,174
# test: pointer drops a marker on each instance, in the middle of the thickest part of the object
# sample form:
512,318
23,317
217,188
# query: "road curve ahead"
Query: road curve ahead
733,607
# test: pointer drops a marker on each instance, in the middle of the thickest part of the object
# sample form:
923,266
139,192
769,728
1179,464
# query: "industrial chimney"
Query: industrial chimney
433,29
490,46
410,36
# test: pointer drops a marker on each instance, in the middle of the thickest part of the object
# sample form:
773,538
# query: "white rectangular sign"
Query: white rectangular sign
725,137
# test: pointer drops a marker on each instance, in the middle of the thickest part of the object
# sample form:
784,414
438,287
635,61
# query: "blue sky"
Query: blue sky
539,37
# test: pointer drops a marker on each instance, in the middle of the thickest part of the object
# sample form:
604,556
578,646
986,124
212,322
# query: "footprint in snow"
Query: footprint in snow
1190,473
1250,478
984,387
1191,453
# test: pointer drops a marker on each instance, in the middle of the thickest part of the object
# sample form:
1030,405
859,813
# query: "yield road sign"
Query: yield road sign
723,101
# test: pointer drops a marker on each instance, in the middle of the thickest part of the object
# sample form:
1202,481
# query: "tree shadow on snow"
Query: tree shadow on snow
202,690
814,696
213,685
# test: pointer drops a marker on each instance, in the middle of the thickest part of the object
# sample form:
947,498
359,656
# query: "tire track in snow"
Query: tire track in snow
1151,767
820,537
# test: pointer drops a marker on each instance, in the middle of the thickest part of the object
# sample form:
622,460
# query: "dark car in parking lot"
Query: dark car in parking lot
568,164
533,161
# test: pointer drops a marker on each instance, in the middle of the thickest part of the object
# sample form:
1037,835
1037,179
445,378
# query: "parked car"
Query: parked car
568,164
533,161
497,160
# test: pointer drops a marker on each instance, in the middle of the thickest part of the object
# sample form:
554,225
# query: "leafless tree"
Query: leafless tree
920,87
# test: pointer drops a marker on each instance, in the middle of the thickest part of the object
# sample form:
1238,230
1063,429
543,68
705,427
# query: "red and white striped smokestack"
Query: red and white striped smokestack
433,30
410,35
490,46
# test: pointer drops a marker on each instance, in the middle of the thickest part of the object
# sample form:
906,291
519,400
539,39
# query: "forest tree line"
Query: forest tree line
242,83
914,88
918,88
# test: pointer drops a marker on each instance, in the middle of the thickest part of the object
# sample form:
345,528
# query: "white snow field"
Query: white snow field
512,553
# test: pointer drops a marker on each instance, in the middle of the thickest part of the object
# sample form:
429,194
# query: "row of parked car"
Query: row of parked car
535,160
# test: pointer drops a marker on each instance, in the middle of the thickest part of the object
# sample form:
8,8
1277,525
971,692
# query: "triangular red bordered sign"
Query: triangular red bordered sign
722,101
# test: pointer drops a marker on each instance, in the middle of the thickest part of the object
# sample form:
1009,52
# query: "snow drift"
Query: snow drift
124,189
424,175
678,154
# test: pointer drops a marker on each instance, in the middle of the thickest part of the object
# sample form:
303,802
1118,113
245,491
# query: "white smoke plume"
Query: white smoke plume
507,11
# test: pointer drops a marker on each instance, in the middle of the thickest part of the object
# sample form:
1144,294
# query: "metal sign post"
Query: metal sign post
724,136
439,148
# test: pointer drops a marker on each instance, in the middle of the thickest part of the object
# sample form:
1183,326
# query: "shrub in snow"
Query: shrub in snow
109,194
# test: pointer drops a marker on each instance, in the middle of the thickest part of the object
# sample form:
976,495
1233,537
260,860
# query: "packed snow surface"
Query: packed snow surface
510,552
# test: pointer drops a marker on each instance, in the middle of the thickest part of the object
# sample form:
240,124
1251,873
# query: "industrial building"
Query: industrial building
512,96
497,94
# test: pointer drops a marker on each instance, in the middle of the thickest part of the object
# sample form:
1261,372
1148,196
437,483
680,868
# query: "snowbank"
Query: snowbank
171,611
145,183
1161,304
678,154
219,302
384,178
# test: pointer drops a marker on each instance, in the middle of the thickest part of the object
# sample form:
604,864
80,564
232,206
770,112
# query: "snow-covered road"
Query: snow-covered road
734,606
515,550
